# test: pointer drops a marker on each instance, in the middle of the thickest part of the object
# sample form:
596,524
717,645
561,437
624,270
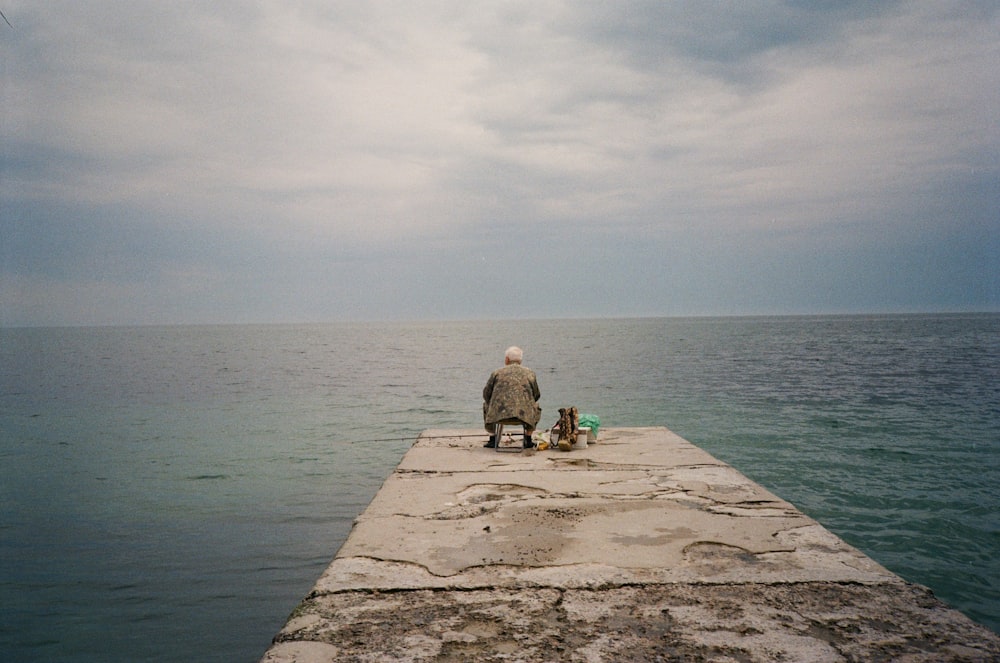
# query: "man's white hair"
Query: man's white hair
514,354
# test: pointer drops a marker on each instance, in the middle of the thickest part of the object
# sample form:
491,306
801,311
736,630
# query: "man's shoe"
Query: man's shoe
528,444
492,444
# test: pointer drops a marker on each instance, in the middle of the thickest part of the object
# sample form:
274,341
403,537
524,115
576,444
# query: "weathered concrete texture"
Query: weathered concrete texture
639,547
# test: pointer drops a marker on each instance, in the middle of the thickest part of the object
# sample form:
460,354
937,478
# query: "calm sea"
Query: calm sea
171,493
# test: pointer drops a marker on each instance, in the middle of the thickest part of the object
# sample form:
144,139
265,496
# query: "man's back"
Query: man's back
512,393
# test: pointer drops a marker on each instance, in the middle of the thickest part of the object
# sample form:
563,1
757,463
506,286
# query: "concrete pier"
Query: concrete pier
641,547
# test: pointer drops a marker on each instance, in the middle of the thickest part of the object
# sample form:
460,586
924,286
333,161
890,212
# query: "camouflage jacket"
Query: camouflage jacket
512,393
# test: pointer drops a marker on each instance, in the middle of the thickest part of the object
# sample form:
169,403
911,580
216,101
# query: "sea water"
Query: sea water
171,493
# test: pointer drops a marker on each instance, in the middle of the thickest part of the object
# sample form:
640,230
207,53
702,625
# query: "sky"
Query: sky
241,162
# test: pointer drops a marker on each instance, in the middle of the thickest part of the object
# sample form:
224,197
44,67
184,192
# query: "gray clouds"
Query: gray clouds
196,162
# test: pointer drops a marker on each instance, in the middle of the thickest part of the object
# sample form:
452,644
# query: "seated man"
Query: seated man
512,393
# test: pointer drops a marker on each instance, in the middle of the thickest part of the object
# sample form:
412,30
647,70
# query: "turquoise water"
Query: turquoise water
171,493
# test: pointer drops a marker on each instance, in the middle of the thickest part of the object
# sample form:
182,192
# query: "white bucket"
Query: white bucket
582,435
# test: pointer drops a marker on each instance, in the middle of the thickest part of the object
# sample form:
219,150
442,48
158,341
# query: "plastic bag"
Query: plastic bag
591,421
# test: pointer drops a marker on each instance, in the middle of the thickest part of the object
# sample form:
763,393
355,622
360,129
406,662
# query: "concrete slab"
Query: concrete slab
639,547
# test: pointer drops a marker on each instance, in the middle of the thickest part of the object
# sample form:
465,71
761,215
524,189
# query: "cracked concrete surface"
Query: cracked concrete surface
639,547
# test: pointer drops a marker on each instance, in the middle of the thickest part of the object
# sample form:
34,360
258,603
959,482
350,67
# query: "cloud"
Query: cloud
163,160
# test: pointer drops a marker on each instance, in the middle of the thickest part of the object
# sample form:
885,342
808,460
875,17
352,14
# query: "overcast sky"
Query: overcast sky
194,162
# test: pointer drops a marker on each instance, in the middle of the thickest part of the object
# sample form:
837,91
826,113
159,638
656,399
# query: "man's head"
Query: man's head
514,355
